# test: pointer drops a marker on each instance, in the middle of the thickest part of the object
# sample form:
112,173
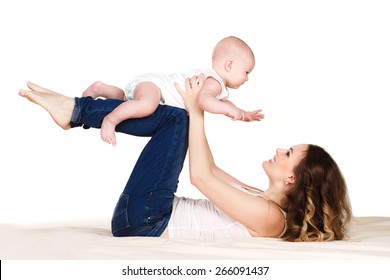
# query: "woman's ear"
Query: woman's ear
290,180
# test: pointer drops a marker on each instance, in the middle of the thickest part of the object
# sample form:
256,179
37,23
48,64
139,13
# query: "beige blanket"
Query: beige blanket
369,239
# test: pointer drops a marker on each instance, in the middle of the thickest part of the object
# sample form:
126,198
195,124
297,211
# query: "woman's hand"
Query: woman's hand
190,94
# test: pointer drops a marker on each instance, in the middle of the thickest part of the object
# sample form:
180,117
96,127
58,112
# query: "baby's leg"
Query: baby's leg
99,89
147,96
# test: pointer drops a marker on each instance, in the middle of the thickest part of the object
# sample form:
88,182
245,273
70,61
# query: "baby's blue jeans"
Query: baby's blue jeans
145,205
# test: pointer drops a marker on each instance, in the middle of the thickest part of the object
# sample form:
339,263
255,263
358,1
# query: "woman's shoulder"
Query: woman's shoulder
275,225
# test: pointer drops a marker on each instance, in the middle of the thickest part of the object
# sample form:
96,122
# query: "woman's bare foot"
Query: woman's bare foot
60,107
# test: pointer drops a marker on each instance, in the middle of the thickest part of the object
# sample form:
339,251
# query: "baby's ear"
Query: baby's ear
228,65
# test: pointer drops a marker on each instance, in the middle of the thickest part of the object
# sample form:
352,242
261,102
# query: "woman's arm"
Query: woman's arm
251,211
223,175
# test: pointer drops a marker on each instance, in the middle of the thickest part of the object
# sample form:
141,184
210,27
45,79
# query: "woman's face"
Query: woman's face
280,167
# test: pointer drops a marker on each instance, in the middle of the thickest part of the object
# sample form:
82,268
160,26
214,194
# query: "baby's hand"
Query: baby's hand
255,115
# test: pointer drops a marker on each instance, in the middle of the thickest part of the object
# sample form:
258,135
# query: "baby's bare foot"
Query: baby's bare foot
94,90
60,107
107,132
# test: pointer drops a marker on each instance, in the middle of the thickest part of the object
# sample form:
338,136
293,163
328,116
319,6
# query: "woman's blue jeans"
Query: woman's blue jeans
144,208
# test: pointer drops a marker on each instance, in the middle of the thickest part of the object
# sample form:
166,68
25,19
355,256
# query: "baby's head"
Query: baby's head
233,60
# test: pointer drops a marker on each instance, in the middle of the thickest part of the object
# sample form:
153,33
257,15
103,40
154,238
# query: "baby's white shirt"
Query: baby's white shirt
166,83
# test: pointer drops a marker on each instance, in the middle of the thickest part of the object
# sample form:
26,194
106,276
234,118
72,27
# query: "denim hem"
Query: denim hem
76,116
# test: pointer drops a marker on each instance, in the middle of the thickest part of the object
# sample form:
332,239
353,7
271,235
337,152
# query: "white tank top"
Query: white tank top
200,219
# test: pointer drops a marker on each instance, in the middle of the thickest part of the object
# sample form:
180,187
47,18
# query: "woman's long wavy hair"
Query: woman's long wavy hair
318,208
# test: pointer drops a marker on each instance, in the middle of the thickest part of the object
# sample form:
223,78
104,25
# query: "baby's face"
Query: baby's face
241,66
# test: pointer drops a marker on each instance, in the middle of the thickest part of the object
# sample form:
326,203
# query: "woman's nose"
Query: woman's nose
280,151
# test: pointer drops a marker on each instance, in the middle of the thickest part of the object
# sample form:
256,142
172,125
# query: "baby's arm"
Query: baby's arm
213,105
209,103
237,114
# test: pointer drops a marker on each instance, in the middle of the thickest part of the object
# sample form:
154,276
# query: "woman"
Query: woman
306,200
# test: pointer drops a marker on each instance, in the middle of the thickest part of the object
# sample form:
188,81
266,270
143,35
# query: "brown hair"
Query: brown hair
318,209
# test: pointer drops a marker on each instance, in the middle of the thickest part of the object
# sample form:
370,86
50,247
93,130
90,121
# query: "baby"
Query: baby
232,61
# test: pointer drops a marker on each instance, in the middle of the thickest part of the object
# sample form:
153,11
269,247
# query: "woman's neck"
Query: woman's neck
274,195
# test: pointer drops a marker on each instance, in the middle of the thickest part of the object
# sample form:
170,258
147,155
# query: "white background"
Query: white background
321,76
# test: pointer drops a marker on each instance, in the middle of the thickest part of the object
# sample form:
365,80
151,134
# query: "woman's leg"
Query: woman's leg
145,205
70,112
